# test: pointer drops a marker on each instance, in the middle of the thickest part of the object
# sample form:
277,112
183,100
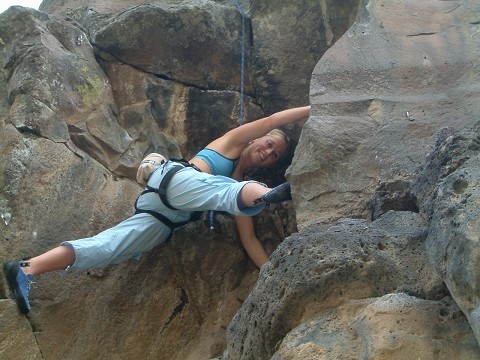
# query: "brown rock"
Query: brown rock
379,97
17,340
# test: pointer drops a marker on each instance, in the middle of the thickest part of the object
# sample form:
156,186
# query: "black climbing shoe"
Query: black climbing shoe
276,195
19,283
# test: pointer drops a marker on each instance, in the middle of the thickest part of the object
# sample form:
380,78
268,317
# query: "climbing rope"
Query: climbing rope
242,14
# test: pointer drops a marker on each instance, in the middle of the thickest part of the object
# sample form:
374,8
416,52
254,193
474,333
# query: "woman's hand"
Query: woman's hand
233,142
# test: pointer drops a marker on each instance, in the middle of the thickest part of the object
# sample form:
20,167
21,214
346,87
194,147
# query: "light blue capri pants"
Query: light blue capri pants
189,190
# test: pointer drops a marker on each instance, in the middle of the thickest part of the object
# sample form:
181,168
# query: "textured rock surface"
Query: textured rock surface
276,57
384,177
82,100
452,206
17,339
163,33
395,326
380,95
327,266
377,147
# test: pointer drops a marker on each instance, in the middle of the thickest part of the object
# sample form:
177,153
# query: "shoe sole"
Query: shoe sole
11,273
279,194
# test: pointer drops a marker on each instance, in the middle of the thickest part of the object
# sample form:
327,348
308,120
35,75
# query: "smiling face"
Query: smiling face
265,151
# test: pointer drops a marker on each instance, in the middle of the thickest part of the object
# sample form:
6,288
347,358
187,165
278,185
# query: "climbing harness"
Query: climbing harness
149,165
161,191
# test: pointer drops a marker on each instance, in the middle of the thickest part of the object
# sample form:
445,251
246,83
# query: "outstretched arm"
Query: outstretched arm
233,142
249,240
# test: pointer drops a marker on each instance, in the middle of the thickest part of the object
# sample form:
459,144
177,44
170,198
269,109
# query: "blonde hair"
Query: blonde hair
281,134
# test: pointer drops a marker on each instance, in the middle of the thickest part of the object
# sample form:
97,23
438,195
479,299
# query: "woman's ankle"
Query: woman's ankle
25,266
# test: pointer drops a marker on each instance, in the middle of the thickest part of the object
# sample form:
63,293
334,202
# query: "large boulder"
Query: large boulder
75,120
17,338
379,96
278,55
394,326
87,88
347,270
449,188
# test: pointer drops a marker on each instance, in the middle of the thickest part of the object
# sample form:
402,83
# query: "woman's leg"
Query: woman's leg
126,240
19,273
58,258
251,192
254,193
190,190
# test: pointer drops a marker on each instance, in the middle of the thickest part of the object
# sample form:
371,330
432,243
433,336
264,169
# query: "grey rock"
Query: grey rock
383,177
321,267
379,97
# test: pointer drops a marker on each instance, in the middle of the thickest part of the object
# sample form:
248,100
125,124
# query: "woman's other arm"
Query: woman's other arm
249,240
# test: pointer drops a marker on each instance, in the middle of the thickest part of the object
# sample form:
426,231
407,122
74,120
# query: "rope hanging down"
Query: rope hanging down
242,13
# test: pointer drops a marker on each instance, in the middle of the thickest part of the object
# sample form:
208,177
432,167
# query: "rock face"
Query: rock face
393,138
384,177
452,241
82,102
354,289
380,95
395,326
18,340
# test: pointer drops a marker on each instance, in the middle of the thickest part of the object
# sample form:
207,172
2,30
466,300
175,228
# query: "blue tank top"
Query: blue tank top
218,164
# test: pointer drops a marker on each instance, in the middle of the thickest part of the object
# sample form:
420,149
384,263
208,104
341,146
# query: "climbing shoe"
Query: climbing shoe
19,283
276,195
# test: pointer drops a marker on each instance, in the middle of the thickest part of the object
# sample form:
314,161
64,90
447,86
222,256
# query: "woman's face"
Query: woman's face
265,151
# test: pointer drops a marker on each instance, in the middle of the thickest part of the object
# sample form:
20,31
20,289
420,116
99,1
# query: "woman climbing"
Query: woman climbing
213,180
